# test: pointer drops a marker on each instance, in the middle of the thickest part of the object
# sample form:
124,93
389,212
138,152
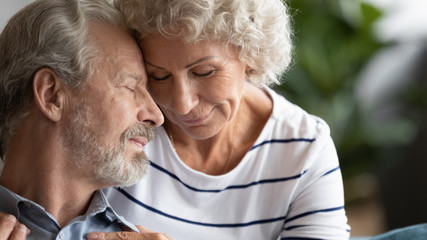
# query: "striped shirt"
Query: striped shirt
288,186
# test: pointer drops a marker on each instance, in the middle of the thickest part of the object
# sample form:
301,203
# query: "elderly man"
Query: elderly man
75,115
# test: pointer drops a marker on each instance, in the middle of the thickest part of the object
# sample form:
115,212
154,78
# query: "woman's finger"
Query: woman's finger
146,234
7,224
20,232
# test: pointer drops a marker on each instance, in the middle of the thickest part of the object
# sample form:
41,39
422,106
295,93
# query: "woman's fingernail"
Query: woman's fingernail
11,218
22,228
91,236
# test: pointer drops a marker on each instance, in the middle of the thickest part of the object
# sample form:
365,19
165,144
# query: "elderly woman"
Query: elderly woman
234,160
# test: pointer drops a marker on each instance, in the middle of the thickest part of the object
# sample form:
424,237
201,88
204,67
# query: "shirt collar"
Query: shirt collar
99,205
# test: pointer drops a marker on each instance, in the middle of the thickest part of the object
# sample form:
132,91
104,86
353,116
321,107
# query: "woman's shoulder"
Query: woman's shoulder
290,118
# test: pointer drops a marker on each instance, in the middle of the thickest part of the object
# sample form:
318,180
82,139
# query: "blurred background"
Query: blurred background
362,66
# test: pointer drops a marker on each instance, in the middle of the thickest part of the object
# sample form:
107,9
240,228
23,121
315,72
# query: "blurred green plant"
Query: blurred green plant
329,53
381,141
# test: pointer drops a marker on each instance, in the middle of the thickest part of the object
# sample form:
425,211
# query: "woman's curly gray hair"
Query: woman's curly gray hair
259,29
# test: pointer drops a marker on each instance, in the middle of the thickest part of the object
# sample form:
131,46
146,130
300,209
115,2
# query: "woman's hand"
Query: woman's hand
11,229
146,234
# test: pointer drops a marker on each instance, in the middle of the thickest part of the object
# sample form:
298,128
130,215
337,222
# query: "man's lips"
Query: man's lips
139,141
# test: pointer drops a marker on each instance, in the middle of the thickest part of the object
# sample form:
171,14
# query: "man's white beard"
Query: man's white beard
110,167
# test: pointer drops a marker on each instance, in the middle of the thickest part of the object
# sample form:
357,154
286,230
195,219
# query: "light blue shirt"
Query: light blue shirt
100,217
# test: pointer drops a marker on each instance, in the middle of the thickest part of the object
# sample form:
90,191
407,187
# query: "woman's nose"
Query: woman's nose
184,97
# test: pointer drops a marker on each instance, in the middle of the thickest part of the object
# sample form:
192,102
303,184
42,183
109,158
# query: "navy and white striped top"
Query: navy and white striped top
288,186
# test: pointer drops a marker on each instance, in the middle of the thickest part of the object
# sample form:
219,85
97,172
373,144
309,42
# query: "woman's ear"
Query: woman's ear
49,93
248,70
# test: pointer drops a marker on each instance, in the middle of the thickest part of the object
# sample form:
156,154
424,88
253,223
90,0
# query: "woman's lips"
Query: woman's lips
196,120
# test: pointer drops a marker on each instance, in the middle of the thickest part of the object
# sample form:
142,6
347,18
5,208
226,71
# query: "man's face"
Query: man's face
111,120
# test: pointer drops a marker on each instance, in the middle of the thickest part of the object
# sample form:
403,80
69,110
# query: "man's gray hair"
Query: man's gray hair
52,34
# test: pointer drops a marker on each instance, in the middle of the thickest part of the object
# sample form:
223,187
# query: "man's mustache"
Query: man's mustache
138,130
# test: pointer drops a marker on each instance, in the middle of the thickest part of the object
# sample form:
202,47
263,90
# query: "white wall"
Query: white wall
8,8
403,19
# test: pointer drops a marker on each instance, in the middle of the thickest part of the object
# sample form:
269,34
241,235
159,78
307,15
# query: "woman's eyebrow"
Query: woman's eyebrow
200,60
187,66
147,62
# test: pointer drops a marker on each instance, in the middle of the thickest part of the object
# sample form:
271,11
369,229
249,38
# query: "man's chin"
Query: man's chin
122,175
118,182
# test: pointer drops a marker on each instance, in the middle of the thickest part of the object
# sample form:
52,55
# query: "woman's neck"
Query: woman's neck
221,153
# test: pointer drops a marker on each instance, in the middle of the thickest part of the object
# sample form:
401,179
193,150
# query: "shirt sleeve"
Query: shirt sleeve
317,210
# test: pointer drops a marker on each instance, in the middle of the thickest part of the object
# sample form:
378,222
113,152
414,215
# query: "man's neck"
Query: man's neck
63,199
47,179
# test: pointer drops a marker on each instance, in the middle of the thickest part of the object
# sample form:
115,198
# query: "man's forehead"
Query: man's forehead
114,42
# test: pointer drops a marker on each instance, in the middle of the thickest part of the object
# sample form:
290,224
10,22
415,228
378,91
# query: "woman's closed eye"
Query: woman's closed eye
204,74
161,78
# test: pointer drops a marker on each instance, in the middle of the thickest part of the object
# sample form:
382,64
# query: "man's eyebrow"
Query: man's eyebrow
126,75
135,76
187,66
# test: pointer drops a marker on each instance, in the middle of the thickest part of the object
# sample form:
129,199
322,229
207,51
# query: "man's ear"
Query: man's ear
49,93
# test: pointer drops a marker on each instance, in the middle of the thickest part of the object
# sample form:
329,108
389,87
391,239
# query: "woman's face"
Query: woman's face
197,85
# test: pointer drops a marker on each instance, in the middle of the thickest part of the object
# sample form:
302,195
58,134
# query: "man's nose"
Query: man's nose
149,112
